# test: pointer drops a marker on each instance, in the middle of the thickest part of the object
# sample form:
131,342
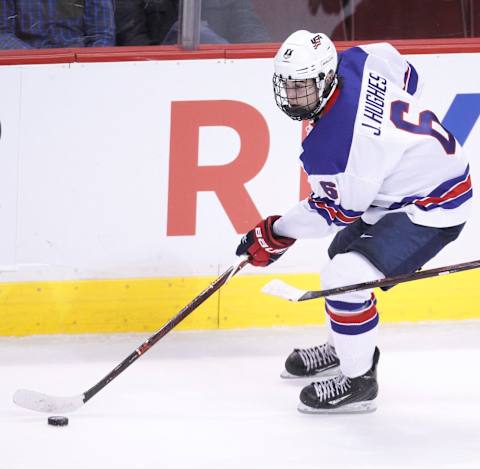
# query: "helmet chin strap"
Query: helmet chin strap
327,95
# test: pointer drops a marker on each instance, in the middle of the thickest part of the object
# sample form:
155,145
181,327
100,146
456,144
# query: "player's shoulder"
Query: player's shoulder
360,53
383,50
352,63
357,62
387,61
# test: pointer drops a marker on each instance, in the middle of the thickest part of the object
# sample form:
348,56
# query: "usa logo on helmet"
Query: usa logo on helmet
316,41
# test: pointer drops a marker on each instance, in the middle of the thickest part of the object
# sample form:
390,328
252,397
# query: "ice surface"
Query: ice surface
215,400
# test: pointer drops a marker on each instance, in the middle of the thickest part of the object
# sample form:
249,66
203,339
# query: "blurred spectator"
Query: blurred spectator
362,20
148,22
391,19
282,17
329,6
336,7
38,24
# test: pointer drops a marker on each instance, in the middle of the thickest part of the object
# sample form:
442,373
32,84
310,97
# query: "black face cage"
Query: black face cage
289,92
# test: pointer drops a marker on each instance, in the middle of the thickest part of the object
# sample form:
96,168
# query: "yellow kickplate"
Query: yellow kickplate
137,305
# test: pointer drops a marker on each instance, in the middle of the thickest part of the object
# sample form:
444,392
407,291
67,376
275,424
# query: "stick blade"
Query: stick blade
282,289
39,402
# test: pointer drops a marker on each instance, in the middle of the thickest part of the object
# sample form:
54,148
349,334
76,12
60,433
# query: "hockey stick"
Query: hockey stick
284,290
45,403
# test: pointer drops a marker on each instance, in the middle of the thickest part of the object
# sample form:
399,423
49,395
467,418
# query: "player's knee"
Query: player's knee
348,269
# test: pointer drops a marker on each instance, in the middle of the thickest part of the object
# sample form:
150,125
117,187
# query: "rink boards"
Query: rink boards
146,304
125,187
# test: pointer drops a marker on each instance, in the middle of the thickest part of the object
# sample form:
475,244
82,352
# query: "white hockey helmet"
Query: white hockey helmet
305,74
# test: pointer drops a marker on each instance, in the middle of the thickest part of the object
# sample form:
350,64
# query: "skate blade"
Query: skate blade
317,376
354,408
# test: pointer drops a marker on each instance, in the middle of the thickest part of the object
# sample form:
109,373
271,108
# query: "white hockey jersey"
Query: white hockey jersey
376,150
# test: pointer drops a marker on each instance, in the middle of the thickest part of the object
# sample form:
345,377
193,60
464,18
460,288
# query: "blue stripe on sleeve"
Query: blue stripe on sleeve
413,82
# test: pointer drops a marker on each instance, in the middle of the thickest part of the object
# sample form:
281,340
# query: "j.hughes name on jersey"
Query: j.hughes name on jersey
373,108
379,149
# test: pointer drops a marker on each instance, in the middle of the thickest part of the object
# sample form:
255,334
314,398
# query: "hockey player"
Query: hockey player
385,172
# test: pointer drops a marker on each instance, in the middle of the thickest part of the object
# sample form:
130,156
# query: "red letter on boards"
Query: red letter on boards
186,177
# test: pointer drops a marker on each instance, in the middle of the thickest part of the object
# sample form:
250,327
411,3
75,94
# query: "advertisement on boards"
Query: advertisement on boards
156,169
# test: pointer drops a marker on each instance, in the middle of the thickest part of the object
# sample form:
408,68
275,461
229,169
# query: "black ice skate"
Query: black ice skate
304,362
341,394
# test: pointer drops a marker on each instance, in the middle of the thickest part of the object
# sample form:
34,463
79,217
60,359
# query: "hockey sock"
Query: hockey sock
352,317
354,335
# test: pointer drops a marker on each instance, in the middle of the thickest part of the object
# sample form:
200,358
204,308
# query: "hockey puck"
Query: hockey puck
58,421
